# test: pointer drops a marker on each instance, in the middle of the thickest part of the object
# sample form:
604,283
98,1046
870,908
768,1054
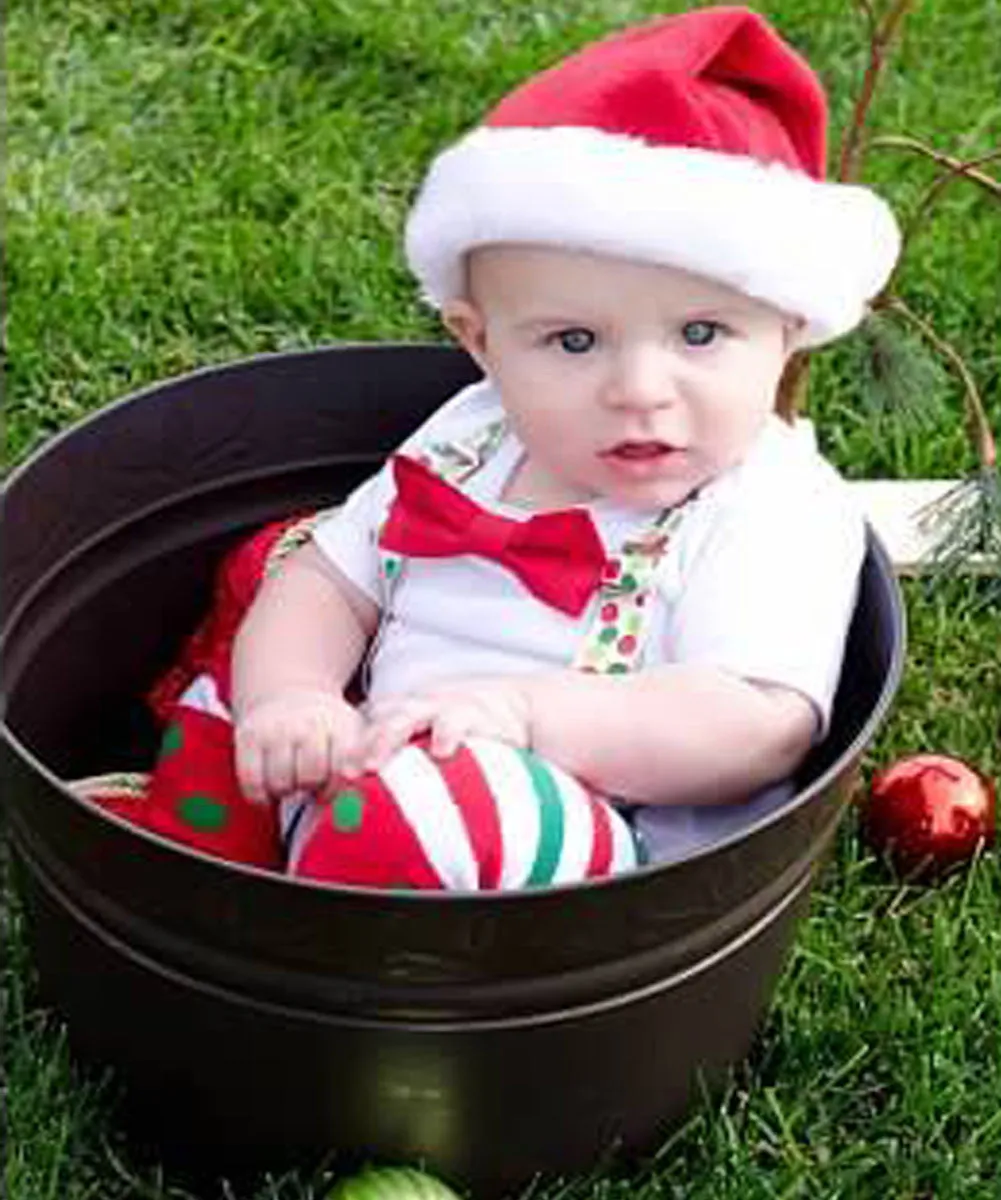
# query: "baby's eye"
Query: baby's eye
700,333
574,341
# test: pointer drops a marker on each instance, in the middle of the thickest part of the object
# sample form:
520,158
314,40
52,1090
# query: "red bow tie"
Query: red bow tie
558,556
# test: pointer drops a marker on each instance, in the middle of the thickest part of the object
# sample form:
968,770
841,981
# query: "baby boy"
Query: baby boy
610,552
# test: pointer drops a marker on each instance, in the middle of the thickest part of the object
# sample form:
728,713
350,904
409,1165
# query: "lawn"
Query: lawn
190,181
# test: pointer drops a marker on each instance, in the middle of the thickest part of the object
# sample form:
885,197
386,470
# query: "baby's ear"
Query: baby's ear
793,333
464,320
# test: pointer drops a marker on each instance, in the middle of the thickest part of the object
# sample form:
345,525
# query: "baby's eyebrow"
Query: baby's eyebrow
713,312
554,322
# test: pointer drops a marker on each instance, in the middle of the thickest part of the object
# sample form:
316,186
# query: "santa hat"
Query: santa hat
696,141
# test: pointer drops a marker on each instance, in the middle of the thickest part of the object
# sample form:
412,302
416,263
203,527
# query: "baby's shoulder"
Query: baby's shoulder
784,478
785,500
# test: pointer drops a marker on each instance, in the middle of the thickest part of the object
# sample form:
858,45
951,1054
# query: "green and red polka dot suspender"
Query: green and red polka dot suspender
615,641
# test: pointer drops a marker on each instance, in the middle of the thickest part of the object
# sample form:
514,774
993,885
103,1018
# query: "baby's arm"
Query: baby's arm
297,649
677,734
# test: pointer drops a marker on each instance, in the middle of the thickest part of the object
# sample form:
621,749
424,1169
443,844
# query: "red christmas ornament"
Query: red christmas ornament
929,812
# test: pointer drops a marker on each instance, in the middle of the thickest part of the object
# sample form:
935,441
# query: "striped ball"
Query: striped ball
490,817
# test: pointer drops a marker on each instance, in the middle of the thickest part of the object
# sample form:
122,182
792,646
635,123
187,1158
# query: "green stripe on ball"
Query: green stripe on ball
547,856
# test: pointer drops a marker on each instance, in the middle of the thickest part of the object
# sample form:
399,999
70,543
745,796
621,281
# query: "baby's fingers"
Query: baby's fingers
313,761
250,768
348,745
392,730
450,728
279,768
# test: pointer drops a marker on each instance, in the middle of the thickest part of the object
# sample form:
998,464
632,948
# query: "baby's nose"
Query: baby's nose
645,379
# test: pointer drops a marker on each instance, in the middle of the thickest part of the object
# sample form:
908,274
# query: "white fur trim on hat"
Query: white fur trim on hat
815,250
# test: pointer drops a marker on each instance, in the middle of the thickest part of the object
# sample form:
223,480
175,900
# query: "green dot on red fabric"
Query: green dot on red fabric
608,635
172,740
627,644
203,812
609,612
346,810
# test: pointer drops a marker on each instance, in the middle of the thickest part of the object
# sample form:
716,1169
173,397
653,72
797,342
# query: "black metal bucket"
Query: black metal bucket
258,1021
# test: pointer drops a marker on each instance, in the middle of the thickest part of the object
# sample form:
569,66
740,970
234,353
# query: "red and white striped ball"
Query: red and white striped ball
490,817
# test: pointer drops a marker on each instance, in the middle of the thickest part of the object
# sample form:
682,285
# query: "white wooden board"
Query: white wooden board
902,513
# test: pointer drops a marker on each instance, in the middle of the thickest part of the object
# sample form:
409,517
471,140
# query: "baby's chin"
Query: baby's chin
657,492
665,490
649,497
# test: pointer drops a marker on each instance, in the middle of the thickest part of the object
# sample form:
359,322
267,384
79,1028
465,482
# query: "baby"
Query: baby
627,388
609,552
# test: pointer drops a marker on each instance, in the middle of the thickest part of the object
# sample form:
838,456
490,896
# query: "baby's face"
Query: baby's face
626,380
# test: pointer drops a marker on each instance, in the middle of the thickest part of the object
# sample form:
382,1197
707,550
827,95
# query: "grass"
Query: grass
193,180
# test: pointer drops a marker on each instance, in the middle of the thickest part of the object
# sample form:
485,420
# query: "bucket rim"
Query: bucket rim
54,441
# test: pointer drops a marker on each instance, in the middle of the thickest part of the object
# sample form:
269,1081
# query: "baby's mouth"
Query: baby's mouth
640,461
647,451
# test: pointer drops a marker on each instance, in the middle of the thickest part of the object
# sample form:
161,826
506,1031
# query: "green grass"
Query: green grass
193,180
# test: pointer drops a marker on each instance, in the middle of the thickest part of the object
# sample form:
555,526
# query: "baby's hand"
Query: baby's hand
496,708
296,740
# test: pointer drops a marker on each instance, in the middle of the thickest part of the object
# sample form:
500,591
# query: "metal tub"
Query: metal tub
259,1022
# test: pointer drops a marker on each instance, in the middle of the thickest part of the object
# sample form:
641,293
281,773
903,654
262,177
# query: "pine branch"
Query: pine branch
979,426
961,170
966,522
965,525
968,170
918,219
899,373
881,37
887,365
792,389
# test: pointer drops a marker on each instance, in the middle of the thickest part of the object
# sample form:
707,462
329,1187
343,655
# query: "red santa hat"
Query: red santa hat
697,141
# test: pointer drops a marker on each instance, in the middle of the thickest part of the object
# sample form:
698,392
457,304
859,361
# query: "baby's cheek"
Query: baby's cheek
738,428
544,436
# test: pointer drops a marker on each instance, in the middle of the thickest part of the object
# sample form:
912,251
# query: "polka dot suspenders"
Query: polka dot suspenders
615,640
